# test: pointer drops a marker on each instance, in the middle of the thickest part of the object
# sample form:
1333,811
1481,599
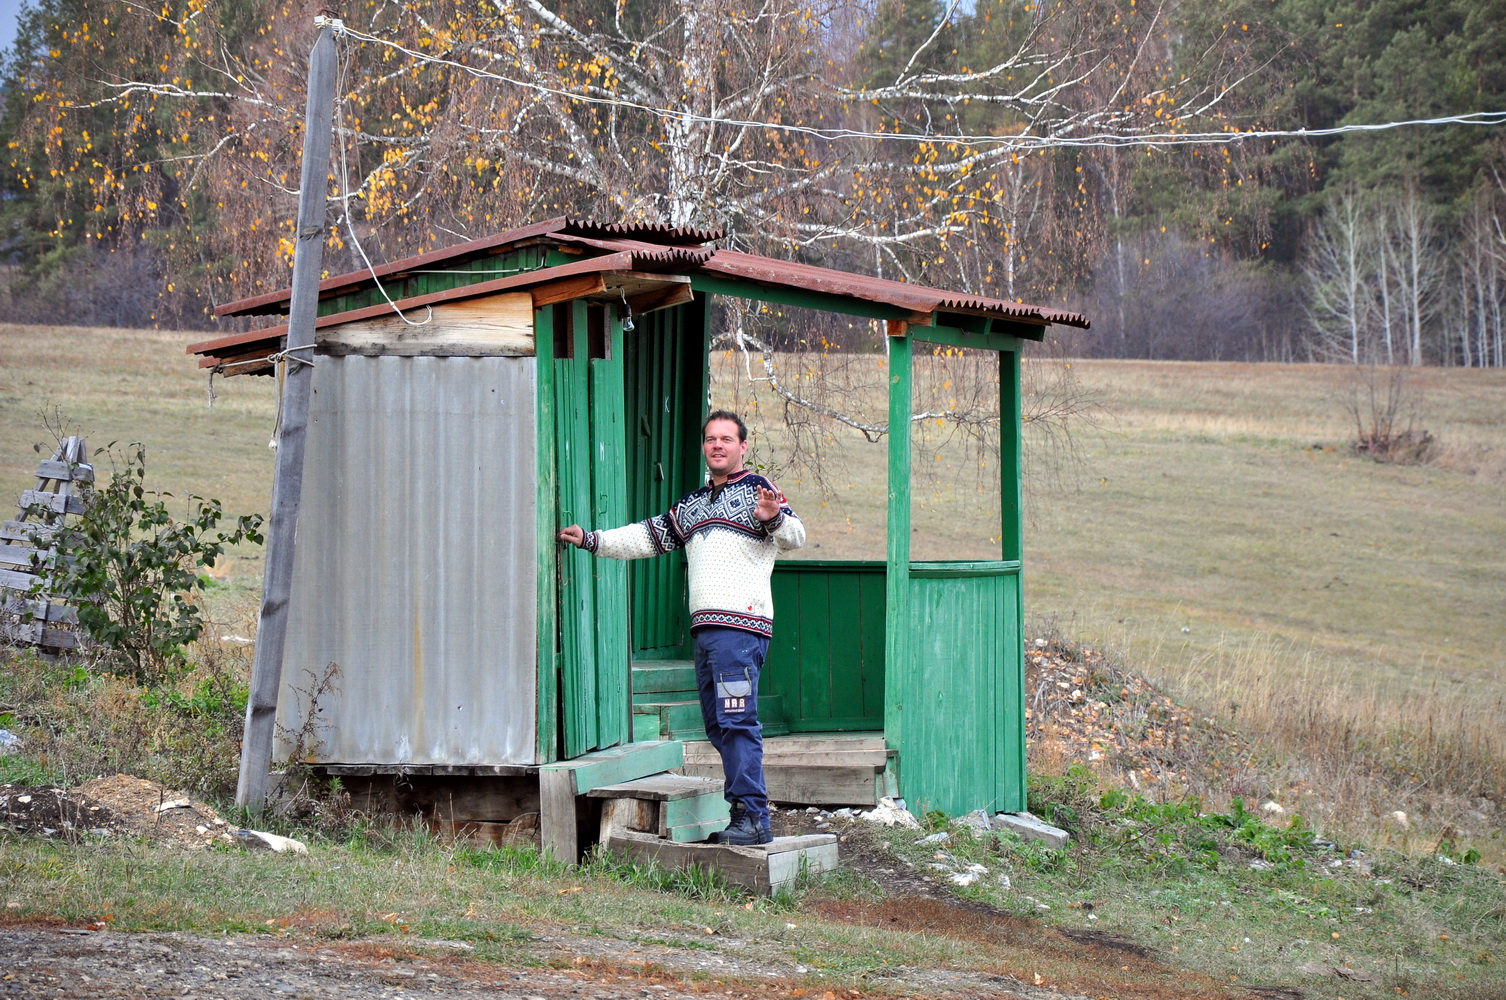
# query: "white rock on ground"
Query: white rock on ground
1031,828
977,822
270,841
890,813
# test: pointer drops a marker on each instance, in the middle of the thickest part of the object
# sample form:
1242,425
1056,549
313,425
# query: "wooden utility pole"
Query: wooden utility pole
297,382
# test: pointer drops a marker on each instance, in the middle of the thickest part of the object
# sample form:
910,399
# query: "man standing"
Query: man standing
731,530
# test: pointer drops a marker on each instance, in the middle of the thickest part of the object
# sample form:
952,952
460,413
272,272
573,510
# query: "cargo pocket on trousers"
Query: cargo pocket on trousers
733,689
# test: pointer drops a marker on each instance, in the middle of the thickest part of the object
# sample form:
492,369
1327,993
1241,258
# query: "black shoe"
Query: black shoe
742,832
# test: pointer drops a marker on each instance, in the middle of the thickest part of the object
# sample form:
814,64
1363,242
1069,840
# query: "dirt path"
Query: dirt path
104,965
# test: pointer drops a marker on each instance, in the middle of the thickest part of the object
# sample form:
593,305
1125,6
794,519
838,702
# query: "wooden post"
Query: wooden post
287,486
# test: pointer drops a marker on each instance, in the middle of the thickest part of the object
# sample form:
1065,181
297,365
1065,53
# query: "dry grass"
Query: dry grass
1221,538
139,385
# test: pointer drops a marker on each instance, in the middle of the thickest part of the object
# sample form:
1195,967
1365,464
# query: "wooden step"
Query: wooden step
675,718
681,719
813,770
765,868
676,807
646,728
661,676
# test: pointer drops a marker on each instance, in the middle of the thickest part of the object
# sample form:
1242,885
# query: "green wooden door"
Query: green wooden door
590,471
665,396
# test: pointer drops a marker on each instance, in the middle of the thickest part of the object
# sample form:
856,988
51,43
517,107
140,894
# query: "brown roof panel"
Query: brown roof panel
652,238
919,298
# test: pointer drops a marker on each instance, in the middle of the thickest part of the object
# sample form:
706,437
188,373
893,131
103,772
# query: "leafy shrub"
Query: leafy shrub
132,569
1065,800
1182,831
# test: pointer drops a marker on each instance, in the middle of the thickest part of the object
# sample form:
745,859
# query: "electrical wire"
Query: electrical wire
1022,141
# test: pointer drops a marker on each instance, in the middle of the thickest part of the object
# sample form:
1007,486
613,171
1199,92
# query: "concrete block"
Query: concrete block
1031,828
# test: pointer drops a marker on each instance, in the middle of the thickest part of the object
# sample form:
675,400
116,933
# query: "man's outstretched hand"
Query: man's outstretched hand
574,535
768,504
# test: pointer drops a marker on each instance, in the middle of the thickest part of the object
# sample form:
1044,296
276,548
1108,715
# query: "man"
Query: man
731,530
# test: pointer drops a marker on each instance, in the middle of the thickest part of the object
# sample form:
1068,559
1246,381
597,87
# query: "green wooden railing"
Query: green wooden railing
827,657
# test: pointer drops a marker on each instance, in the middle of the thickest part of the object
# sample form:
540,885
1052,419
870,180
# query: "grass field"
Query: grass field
1216,533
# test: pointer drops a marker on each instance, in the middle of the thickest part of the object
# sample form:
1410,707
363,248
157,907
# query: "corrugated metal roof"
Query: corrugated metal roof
651,237
622,247
416,571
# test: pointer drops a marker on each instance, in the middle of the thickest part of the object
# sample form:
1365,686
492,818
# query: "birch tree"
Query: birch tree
1340,272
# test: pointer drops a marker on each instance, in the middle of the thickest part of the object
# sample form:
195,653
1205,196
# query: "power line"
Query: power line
1024,141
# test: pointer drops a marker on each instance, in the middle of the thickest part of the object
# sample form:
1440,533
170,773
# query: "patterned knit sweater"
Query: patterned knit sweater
729,551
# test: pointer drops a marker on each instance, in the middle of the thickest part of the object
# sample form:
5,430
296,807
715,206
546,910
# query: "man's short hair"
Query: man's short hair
742,428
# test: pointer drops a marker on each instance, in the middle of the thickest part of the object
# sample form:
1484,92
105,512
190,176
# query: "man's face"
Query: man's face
724,452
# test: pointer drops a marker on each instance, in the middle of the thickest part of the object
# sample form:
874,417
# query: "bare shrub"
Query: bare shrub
1385,412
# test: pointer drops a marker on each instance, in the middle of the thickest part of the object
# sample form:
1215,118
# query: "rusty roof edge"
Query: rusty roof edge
922,298
655,252
644,229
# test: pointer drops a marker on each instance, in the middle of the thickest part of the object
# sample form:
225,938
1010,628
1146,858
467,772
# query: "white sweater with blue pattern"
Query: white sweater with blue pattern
729,551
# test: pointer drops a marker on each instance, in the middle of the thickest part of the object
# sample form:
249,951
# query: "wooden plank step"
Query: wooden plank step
810,786
799,747
681,720
562,782
657,677
665,787
667,695
63,472
701,752
41,610
57,503
675,718
645,728
26,531
695,818
871,759
765,869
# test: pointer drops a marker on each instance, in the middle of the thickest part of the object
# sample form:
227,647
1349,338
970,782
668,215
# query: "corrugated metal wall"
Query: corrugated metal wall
416,568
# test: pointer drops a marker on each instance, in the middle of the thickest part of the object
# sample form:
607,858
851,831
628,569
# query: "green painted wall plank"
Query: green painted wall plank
872,630
816,642
1011,454
549,550
845,651
609,508
577,590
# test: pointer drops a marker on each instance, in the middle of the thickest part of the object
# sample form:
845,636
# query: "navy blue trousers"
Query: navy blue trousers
727,664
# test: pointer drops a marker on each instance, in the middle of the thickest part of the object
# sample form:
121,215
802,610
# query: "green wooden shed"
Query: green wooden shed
602,332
